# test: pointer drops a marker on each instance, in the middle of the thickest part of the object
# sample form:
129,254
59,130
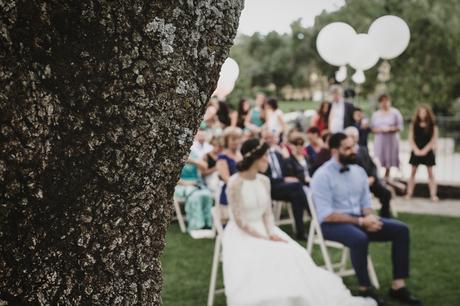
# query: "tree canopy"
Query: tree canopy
427,72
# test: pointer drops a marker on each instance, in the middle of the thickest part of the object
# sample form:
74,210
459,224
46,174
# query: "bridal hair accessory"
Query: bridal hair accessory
248,154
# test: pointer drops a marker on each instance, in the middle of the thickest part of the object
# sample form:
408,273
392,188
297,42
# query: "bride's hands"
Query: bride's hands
273,237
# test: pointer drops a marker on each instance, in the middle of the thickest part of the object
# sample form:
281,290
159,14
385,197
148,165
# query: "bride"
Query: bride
262,265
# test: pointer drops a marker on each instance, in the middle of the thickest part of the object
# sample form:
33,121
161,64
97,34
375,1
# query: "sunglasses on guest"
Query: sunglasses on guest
298,143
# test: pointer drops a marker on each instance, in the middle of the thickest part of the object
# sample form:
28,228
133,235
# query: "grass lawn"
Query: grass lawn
293,106
435,264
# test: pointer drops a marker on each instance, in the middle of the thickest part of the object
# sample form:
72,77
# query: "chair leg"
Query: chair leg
311,236
277,211
327,259
343,259
324,251
214,270
180,217
372,274
393,209
291,217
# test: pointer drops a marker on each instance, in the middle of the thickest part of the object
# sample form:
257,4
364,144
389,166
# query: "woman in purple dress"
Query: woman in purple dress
386,124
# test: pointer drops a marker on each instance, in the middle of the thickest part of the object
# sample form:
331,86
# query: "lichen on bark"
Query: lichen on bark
94,129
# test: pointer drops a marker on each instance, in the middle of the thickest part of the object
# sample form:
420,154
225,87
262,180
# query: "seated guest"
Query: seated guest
248,134
210,122
238,117
364,160
297,164
198,199
255,118
227,160
322,156
362,124
210,175
274,119
284,187
343,205
315,145
200,147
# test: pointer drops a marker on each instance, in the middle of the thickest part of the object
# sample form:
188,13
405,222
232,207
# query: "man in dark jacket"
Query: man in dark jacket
364,160
340,115
283,187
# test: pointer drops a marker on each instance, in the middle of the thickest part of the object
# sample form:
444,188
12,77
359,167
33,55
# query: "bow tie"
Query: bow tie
344,169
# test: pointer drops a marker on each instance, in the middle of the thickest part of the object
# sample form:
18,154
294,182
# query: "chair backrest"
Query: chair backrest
216,217
217,192
311,205
314,216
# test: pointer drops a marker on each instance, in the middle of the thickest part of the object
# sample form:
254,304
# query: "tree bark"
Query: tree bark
99,102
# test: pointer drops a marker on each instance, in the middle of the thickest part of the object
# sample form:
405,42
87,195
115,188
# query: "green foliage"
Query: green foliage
427,72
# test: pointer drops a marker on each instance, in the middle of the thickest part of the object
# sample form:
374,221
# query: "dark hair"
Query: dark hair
294,137
223,113
349,93
252,150
430,119
357,109
273,103
336,140
323,115
241,113
383,97
325,137
313,130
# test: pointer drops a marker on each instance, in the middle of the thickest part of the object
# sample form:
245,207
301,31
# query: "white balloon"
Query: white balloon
358,77
230,70
334,43
341,74
390,35
228,75
363,56
224,88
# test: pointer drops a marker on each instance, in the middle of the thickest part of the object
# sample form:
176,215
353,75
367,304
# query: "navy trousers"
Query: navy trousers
357,240
293,193
384,195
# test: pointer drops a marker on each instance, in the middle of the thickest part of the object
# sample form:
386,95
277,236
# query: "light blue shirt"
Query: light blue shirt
335,192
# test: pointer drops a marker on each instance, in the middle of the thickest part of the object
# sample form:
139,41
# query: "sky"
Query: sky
276,15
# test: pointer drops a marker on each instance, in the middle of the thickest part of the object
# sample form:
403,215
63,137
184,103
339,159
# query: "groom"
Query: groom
343,204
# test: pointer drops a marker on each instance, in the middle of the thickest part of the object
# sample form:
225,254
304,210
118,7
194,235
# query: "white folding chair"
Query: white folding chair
315,236
217,258
278,207
393,209
179,216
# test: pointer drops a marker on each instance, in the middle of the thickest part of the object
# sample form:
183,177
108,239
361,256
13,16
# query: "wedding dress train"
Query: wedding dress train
261,272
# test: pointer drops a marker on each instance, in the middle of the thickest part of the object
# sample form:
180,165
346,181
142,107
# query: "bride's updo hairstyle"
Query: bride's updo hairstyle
252,150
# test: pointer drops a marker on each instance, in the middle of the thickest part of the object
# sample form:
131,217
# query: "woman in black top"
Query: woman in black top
239,116
423,134
297,164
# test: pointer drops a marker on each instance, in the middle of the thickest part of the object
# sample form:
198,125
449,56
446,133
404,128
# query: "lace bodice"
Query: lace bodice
250,203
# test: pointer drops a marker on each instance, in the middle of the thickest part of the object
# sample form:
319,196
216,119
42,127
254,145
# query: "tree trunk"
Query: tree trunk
99,102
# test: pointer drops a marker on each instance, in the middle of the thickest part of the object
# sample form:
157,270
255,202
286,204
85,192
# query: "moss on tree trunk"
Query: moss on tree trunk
99,102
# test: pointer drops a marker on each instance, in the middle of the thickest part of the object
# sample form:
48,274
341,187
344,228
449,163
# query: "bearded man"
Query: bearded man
342,200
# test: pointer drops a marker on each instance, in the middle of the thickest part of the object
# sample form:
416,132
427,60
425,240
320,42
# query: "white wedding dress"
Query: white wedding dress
260,272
